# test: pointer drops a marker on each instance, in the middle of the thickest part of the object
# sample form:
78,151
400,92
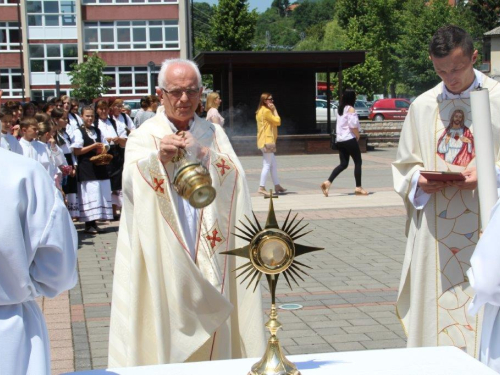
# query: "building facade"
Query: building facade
491,60
40,41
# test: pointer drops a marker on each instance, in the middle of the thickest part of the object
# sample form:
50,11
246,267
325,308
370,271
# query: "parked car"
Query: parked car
321,111
134,104
361,109
389,109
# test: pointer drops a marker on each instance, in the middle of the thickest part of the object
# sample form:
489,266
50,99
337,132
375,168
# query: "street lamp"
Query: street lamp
152,68
58,85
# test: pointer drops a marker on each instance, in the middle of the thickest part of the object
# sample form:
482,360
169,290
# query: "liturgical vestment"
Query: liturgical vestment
484,277
434,292
167,307
38,246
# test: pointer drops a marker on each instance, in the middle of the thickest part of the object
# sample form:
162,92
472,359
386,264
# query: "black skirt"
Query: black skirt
70,185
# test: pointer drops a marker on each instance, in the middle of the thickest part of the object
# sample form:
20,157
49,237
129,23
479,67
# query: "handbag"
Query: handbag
269,148
333,140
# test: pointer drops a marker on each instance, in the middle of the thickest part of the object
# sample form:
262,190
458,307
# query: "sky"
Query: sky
261,5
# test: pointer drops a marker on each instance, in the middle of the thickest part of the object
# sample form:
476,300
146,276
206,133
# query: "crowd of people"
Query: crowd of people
69,139
175,298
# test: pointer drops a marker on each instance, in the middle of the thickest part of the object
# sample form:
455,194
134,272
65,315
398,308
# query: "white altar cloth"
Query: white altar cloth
413,361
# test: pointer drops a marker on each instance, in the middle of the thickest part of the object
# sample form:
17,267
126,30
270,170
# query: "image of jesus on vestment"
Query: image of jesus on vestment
456,144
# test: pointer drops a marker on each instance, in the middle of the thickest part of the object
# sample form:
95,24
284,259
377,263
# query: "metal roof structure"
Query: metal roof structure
233,70
317,61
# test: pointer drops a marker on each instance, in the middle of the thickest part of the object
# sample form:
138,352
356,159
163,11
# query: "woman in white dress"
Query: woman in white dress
94,186
116,136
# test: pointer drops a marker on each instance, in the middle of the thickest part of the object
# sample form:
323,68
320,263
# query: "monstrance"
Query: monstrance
272,251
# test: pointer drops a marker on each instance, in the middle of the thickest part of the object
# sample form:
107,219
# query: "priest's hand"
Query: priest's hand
470,182
170,145
430,187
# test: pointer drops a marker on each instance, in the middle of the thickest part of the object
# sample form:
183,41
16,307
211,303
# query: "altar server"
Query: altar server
484,278
38,244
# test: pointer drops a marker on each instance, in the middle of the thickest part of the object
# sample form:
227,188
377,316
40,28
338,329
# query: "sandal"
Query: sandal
360,191
264,192
280,190
325,188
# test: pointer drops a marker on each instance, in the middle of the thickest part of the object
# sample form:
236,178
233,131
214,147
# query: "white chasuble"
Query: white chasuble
434,292
167,307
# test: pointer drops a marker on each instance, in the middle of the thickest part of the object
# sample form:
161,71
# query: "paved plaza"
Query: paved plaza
347,301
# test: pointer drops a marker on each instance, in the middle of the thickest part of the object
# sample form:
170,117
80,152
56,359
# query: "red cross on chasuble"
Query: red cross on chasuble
159,185
222,165
213,238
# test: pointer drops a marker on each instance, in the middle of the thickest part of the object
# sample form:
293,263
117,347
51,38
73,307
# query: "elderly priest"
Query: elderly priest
175,298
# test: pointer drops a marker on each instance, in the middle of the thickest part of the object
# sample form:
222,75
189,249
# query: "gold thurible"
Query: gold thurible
192,181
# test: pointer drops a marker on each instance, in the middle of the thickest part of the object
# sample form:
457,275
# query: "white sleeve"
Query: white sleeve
53,269
130,123
484,275
121,130
77,140
417,196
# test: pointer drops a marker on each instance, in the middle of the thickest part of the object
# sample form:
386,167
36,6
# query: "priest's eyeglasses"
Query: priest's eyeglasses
177,93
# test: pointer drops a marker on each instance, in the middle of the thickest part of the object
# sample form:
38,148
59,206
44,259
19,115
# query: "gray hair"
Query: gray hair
162,83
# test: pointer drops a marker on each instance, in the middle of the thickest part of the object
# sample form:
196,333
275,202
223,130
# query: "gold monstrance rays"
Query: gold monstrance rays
252,232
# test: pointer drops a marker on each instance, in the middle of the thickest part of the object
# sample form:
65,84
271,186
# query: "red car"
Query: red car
389,109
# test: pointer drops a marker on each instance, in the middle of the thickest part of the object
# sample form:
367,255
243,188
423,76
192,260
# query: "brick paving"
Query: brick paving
347,301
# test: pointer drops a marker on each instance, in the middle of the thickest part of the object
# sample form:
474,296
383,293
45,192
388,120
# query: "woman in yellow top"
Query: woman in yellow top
268,121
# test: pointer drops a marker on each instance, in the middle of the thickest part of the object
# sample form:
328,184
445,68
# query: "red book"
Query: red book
442,176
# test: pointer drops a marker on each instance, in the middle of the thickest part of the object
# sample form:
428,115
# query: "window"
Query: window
402,104
8,2
51,13
110,2
10,36
11,83
43,95
52,57
128,80
131,35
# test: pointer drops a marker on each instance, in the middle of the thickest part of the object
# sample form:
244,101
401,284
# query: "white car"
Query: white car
321,111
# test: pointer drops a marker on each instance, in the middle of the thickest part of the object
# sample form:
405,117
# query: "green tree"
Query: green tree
419,22
486,13
87,78
309,14
365,78
202,14
372,25
232,26
274,32
281,6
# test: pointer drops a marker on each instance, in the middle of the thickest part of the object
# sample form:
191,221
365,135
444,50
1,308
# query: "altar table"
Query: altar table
412,361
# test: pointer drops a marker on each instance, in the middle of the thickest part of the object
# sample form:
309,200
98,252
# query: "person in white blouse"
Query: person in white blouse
120,117
32,148
7,140
116,136
56,156
348,128
38,248
212,107
75,121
